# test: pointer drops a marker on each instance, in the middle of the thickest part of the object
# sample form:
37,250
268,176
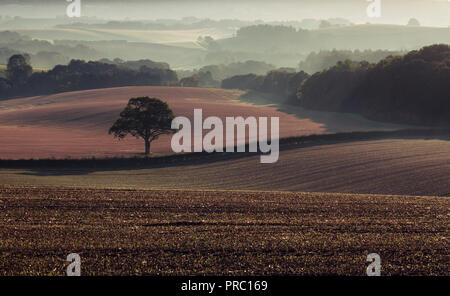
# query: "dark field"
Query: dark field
403,166
169,232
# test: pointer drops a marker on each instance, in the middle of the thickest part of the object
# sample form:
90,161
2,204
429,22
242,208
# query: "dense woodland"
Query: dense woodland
212,75
283,84
77,75
285,38
411,89
136,65
324,59
222,71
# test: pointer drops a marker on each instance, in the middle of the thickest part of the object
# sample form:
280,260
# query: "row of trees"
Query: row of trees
45,53
136,65
223,71
77,75
411,89
284,84
212,75
324,59
200,79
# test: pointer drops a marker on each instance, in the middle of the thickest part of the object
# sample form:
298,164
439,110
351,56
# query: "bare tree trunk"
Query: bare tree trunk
147,147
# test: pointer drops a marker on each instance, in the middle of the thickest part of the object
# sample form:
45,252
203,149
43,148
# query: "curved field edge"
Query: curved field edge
401,165
176,232
75,124
179,158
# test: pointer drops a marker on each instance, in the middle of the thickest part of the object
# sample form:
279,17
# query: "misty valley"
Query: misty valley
235,146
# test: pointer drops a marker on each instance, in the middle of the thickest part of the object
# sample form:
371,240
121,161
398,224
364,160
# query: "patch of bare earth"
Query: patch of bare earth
167,232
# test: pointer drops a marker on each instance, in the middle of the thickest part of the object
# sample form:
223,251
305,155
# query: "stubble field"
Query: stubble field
403,166
209,215
169,232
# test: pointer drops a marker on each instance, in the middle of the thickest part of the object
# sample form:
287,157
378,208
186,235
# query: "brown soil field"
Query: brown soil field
76,124
169,232
404,166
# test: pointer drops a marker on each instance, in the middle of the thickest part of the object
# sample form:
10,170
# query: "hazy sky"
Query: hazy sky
429,12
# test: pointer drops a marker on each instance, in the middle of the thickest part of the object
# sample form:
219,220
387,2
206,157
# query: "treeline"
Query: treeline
200,79
223,71
410,89
77,75
42,53
136,65
284,84
324,59
42,59
268,39
212,75
60,51
255,38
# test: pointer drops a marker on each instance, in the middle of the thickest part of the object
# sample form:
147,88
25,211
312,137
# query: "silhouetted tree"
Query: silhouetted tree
18,70
222,71
209,43
413,22
191,81
145,118
244,82
205,79
325,59
5,87
283,84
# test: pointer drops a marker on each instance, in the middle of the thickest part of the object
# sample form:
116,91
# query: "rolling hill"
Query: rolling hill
398,166
75,124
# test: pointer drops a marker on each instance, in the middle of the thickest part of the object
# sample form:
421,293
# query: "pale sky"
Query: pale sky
429,12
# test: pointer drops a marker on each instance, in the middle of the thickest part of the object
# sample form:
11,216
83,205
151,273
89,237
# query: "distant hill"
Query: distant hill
263,38
75,124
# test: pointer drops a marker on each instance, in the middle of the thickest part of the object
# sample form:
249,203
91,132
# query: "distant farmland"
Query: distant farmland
152,36
137,232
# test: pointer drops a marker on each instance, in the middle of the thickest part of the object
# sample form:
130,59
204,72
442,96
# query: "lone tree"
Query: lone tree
145,118
413,22
18,70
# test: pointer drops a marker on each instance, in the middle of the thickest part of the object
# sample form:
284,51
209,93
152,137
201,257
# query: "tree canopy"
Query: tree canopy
18,70
145,118
281,83
411,89
79,75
